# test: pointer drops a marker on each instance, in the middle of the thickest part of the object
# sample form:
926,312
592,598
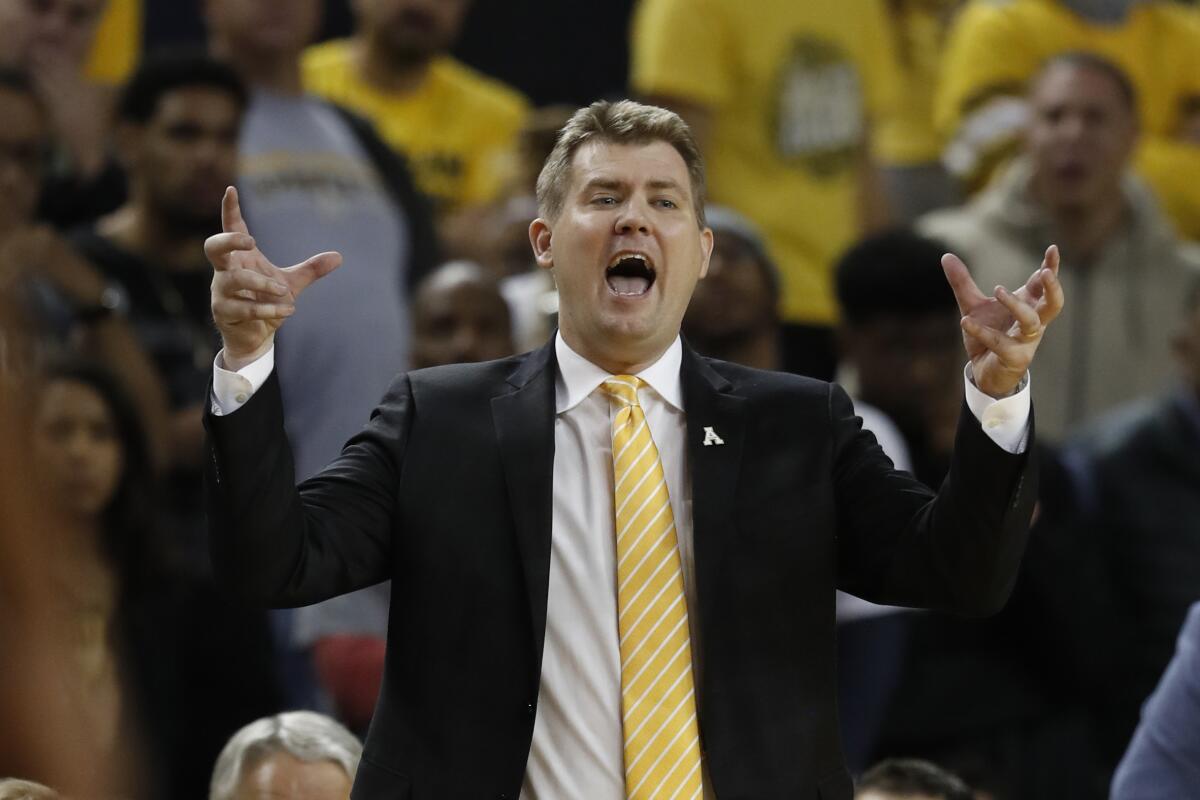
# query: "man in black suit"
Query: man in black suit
537,647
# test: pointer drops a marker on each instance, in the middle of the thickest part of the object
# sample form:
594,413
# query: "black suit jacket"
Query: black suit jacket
447,491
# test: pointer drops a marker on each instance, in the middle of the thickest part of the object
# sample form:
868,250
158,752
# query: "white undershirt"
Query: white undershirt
577,748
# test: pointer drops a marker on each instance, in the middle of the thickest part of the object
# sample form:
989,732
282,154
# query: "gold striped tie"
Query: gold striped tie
658,699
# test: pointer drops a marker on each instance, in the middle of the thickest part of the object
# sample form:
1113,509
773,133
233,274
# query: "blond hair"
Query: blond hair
621,122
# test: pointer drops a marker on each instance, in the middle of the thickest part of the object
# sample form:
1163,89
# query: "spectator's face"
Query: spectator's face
735,297
909,367
412,30
625,249
62,29
281,776
459,323
186,154
76,447
1081,137
264,28
22,145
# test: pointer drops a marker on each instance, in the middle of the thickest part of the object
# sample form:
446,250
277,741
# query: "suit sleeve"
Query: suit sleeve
900,544
279,545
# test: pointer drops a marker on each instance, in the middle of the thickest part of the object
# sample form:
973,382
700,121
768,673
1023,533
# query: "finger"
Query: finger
233,281
239,309
231,213
300,276
1005,347
965,291
1052,259
1053,299
1027,318
220,246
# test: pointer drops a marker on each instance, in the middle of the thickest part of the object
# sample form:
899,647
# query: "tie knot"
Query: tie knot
623,389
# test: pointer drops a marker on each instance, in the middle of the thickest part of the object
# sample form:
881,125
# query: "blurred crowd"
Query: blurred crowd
848,145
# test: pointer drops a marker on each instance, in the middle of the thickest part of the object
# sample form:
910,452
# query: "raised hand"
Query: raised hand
1002,332
251,297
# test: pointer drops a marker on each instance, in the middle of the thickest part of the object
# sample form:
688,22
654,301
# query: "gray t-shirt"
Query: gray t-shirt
308,186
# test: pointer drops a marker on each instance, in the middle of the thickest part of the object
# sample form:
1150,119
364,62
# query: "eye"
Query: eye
605,200
667,203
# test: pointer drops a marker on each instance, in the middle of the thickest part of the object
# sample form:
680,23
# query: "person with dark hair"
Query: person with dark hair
607,547
898,341
153,641
733,314
457,127
57,300
910,779
1121,258
51,41
178,122
993,50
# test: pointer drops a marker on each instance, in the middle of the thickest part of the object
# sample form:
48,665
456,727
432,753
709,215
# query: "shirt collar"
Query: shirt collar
578,377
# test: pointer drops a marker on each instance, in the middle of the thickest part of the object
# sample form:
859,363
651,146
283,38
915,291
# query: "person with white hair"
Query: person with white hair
297,755
16,789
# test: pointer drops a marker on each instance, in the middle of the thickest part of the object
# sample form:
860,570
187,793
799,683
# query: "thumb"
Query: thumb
300,276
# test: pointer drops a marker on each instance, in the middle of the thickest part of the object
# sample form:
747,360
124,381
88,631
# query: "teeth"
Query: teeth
617,259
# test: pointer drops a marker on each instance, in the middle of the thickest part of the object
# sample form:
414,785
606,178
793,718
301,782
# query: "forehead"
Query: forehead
1066,83
205,103
631,164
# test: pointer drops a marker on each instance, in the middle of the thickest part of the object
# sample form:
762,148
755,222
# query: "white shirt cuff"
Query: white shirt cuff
1005,421
231,390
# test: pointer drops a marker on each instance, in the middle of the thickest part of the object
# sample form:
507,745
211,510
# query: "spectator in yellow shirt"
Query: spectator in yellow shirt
780,94
457,128
996,48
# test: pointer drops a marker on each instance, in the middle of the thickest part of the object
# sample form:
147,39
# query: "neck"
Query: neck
617,363
274,72
139,229
1084,230
379,68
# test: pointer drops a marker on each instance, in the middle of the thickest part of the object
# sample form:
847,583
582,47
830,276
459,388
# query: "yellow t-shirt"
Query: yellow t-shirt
791,86
118,43
995,47
905,135
458,130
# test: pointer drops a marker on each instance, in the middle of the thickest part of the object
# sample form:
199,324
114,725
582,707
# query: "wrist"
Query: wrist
236,361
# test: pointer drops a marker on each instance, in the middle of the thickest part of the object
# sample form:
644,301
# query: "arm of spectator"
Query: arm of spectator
874,213
80,112
350,667
979,107
101,334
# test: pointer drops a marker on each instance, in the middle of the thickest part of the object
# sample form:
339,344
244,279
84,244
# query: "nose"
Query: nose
633,218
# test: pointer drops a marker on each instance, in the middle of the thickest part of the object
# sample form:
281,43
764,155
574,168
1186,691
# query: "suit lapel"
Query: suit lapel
524,421
713,413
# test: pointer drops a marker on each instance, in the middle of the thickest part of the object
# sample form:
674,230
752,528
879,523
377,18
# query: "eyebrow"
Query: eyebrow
612,183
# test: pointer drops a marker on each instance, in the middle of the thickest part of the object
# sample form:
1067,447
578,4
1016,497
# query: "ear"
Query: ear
127,141
540,236
706,248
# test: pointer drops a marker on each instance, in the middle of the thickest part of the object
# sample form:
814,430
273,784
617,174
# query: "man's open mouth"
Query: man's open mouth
630,274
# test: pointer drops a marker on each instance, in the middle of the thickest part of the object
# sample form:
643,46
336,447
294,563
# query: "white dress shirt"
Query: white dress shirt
578,746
